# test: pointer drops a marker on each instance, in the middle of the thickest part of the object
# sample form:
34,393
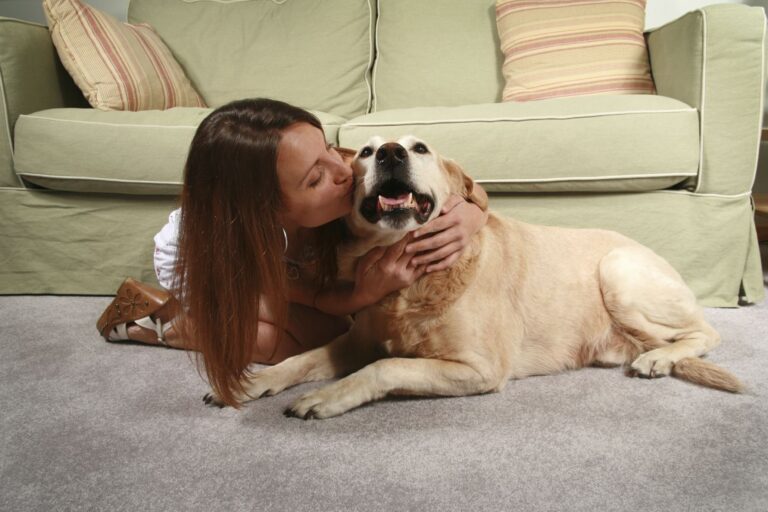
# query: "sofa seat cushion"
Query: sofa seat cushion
88,150
577,144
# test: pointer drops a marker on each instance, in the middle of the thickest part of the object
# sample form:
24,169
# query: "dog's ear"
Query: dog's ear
464,185
346,154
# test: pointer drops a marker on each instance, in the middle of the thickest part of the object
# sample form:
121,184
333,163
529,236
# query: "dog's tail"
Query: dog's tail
706,374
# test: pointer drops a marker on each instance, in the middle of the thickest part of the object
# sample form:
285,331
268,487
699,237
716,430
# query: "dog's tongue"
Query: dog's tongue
395,201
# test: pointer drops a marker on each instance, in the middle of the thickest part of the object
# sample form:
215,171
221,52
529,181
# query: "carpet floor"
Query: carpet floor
90,425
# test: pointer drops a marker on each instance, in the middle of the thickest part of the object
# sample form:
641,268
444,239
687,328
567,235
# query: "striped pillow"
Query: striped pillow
118,66
556,48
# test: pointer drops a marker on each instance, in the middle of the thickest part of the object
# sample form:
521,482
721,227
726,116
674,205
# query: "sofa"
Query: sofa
83,191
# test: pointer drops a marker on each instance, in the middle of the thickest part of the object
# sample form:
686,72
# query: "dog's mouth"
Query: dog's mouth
396,200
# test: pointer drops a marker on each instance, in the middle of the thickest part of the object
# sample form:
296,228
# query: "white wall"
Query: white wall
32,10
658,12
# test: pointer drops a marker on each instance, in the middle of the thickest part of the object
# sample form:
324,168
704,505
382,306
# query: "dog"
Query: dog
521,300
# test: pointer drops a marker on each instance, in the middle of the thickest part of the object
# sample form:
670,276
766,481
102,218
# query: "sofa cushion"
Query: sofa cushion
573,47
316,55
585,143
118,66
87,150
425,56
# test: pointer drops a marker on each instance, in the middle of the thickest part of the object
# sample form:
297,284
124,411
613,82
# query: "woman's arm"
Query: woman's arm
380,272
337,299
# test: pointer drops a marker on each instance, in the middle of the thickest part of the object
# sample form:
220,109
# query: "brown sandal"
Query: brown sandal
140,303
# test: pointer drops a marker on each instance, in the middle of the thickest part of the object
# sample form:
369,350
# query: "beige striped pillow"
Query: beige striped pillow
556,48
118,66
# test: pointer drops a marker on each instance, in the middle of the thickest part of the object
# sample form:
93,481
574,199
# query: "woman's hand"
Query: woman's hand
441,241
384,270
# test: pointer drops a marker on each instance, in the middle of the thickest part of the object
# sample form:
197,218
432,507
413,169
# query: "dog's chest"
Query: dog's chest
403,330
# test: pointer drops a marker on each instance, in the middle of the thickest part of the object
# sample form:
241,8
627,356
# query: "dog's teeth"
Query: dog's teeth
386,207
410,203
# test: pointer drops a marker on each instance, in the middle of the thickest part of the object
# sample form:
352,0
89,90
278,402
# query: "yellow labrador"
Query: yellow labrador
522,300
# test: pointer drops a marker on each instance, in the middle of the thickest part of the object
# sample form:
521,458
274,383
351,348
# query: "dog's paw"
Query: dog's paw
653,364
212,400
320,404
263,383
268,382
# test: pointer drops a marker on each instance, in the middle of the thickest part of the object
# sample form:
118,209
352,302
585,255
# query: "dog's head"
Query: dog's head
400,185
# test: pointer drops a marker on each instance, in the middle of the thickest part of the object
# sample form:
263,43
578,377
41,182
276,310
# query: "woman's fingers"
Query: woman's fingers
419,271
433,243
445,263
434,226
441,253
452,201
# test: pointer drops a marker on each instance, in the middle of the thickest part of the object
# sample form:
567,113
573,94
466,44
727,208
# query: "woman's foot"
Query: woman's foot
139,312
136,332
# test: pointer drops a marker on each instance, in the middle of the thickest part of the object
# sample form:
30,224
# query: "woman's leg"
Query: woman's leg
307,329
312,328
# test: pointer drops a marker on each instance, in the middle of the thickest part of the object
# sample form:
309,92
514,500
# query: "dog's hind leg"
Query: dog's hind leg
339,357
395,376
651,303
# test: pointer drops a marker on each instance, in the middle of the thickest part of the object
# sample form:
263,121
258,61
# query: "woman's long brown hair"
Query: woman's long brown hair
231,243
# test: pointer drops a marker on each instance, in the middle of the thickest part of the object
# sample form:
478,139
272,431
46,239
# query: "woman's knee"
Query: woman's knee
274,345
313,328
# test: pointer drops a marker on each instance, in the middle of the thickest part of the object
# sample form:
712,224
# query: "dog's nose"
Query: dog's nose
391,154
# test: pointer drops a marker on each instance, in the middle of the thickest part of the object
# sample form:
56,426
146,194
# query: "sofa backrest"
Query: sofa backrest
436,53
313,54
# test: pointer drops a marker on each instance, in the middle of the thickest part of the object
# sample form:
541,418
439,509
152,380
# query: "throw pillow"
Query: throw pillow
556,48
118,66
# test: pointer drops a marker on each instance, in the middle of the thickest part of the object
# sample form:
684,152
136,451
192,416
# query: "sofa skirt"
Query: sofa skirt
85,244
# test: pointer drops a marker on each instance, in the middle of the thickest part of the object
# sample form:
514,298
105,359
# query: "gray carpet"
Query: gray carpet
90,425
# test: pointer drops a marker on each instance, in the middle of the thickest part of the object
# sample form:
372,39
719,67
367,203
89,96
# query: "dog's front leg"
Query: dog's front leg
396,376
339,357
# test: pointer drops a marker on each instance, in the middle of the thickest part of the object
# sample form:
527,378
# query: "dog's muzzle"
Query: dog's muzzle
394,196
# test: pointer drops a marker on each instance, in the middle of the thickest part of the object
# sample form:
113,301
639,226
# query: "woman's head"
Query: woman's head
315,182
253,167
272,155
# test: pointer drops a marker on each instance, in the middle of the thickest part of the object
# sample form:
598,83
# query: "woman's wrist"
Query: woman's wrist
362,298
340,299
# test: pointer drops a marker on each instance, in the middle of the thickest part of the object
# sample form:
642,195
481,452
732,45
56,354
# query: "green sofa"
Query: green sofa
83,191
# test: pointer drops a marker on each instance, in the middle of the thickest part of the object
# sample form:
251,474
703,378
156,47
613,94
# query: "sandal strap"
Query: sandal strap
157,326
119,333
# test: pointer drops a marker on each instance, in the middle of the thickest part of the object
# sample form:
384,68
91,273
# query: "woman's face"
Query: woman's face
315,182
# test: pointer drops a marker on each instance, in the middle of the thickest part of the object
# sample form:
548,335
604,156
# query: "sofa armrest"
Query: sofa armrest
713,60
31,78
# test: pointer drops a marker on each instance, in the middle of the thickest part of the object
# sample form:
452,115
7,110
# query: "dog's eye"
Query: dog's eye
366,152
420,148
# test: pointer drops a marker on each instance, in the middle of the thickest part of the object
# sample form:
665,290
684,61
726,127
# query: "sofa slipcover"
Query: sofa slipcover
708,67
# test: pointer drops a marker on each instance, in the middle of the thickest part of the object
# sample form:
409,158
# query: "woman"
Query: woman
260,219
